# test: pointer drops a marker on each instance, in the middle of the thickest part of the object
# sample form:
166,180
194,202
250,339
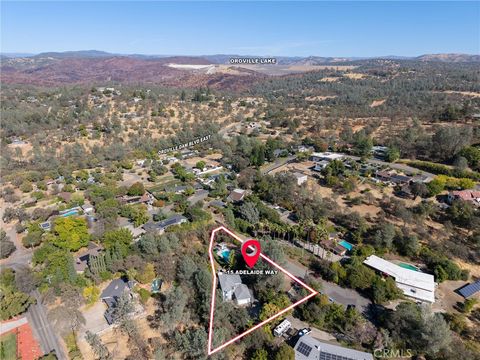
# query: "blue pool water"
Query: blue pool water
346,245
408,266
225,254
70,213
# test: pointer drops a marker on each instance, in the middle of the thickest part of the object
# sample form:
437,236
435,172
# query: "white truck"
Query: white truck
282,328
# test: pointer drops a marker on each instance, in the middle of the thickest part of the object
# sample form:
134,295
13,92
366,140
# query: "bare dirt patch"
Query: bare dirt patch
464,93
320,98
376,103
329,79
354,76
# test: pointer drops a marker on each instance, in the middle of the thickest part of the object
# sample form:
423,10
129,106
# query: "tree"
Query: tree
435,332
34,236
384,290
65,320
260,354
472,154
384,236
12,301
7,247
136,189
91,294
123,309
435,187
136,213
192,343
70,233
249,212
448,141
200,164
462,213
419,189
285,352
147,275
359,276
393,154
120,239
25,279
460,163
174,308
98,347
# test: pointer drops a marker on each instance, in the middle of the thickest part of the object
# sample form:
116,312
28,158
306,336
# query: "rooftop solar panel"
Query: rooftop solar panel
469,290
328,356
304,349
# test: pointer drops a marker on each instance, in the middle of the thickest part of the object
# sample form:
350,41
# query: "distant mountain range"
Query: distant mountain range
215,71
224,58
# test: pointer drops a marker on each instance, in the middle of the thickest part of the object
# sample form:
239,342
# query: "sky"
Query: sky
298,28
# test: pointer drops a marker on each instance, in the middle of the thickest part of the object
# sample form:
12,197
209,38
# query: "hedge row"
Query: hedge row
440,169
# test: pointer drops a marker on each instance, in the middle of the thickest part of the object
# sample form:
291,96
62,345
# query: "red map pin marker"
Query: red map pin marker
251,257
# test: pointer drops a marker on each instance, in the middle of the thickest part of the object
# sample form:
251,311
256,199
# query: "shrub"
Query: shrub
144,295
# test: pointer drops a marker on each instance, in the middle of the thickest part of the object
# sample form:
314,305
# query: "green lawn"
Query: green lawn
8,347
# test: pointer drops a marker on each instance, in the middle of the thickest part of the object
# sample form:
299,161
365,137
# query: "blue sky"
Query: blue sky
259,28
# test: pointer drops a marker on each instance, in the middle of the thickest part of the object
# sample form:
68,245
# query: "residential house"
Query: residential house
327,156
308,348
83,259
393,178
228,283
471,196
65,196
242,295
217,204
423,178
237,195
232,286
300,177
320,165
146,198
322,159
161,226
112,294
415,284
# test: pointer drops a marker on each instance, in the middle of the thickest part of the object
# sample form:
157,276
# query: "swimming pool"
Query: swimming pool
346,245
225,254
408,266
70,213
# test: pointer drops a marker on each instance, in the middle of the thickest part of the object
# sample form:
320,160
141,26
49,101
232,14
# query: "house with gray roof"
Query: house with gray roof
243,295
308,348
232,286
161,226
228,283
112,293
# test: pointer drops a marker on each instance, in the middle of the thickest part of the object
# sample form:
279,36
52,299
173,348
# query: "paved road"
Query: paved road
22,255
277,163
316,333
333,291
37,317
398,166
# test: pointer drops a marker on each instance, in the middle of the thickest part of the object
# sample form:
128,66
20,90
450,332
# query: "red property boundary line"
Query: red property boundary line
211,351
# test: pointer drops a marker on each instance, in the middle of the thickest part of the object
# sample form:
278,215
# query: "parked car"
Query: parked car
304,331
